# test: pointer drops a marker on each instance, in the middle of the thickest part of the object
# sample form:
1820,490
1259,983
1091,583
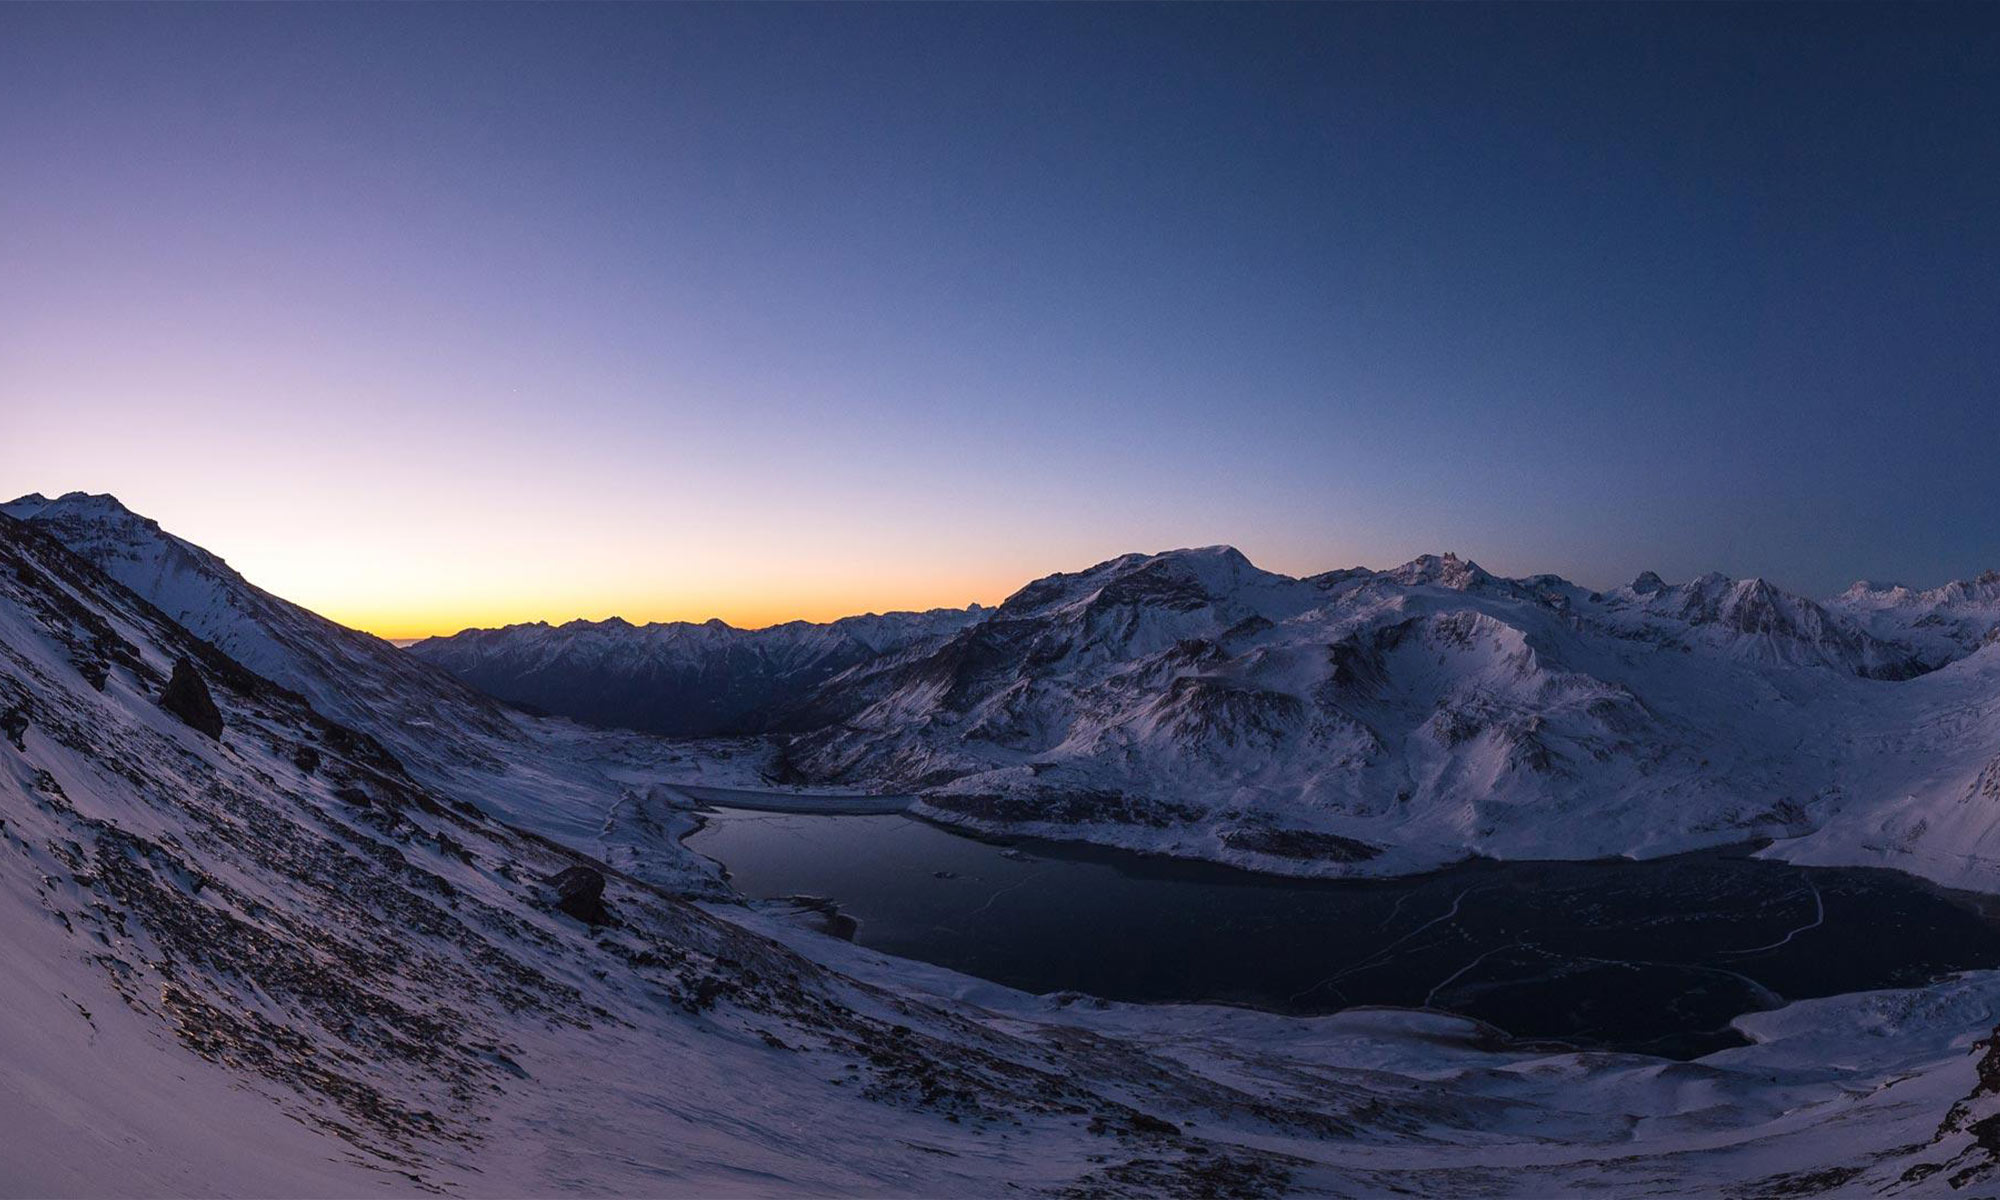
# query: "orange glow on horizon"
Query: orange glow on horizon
445,615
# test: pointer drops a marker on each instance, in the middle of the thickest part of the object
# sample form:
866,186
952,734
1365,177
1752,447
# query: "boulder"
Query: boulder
186,696
14,723
579,891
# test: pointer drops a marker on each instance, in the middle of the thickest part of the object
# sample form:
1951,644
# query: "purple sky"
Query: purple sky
428,317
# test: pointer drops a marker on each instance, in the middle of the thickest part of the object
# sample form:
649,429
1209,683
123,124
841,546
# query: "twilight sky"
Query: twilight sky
436,316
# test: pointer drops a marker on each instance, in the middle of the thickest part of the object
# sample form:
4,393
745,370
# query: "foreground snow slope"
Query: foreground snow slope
277,962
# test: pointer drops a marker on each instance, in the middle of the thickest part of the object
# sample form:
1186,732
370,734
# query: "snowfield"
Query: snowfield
344,948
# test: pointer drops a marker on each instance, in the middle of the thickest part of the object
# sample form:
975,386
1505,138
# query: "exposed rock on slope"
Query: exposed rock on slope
186,696
579,891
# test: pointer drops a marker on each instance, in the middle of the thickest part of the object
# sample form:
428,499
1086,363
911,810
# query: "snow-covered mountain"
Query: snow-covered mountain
1941,623
349,676
1361,721
251,950
678,678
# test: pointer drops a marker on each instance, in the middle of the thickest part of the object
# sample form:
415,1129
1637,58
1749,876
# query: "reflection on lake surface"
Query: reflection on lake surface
1655,956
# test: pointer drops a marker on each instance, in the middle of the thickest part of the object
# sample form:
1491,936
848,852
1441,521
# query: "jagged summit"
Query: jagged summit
1445,570
34,504
1945,622
1981,588
1755,619
23,507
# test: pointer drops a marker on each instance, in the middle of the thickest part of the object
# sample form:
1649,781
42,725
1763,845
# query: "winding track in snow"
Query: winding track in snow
1018,884
1380,956
1819,919
1448,980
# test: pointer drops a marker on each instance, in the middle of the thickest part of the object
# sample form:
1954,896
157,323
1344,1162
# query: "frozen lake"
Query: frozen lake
1655,956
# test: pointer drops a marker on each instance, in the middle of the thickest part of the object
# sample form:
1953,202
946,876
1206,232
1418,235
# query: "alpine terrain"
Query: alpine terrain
289,911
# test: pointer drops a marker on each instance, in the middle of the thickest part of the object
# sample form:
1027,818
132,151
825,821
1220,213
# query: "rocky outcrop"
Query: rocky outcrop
1298,844
186,696
579,891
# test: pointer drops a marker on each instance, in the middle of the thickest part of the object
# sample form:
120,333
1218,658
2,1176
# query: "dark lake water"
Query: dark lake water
1651,956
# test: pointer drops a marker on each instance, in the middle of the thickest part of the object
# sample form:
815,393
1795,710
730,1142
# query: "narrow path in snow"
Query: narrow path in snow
1017,884
1448,980
1382,955
1819,919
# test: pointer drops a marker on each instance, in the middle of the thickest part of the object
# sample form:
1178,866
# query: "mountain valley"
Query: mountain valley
277,884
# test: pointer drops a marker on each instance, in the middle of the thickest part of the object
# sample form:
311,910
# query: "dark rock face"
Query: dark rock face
580,893
14,723
1082,806
186,696
1302,844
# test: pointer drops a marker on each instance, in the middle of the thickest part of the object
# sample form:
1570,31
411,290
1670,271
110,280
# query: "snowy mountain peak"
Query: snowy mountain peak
1755,620
1983,588
1944,623
99,505
23,507
1175,580
1445,570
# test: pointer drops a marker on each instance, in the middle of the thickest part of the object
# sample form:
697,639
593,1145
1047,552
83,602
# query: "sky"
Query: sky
432,317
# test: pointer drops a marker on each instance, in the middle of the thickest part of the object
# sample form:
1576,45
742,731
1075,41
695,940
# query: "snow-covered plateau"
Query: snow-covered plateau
288,911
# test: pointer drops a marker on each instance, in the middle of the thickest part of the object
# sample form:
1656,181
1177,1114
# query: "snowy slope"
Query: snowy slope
275,962
587,788
348,675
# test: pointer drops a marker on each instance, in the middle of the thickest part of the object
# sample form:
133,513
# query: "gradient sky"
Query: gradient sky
430,317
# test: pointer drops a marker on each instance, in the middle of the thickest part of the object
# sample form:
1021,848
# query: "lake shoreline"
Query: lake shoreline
1657,956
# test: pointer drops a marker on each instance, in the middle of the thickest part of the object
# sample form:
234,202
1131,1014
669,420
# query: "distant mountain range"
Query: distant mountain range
678,678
